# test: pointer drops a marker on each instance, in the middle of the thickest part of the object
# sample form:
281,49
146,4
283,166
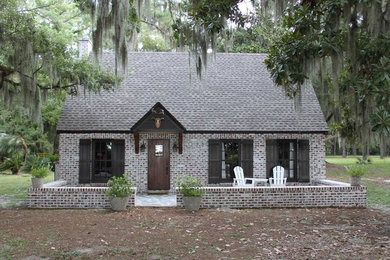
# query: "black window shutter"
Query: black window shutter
118,157
85,161
246,157
215,160
303,161
272,155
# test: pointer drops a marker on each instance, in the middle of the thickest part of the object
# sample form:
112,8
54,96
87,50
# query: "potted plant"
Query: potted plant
192,194
38,174
119,191
355,172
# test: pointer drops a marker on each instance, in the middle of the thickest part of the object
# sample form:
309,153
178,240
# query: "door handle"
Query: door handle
166,170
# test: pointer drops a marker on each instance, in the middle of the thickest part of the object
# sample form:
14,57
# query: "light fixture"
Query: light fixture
143,147
175,147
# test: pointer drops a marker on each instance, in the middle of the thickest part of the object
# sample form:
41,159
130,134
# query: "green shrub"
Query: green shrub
34,162
190,186
356,171
40,172
363,162
53,158
14,163
119,187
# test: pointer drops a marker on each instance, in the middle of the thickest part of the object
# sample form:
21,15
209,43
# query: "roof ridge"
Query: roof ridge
186,53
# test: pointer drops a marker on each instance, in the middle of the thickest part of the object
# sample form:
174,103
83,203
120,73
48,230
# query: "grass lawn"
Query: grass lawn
13,188
378,191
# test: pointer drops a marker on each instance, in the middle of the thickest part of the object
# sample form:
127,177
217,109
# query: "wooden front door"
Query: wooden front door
158,168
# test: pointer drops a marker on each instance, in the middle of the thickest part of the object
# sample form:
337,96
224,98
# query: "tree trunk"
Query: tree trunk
344,147
14,171
354,150
365,147
368,143
382,146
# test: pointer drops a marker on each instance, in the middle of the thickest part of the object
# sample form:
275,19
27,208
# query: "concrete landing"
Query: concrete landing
147,200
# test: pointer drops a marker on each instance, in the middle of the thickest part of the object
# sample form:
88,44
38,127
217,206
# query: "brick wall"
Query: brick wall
193,161
71,197
290,196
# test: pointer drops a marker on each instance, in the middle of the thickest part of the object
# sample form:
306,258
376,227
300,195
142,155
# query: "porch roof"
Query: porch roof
235,94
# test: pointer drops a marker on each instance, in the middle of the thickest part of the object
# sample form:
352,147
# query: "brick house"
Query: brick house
163,122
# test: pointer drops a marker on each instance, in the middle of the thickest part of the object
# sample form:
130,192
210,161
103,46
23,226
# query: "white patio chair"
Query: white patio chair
278,179
240,180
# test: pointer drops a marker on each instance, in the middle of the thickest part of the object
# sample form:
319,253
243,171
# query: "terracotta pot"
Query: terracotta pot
37,183
119,203
192,203
354,181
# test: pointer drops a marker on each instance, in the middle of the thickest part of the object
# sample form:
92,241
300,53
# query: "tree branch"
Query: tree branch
40,86
57,86
38,7
38,69
6,70
155,26
11,82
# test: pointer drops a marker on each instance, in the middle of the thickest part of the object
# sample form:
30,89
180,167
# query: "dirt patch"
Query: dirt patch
379,181
330,166
154,233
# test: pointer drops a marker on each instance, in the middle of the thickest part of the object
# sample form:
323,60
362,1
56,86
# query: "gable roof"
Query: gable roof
235,94
158,110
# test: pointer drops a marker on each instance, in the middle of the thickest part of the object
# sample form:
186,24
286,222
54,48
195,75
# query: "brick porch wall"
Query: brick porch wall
71,197
193,161
283,197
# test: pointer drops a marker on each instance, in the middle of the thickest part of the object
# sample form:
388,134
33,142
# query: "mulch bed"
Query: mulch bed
170,233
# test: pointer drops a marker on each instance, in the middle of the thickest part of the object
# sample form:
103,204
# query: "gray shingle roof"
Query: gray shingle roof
235,94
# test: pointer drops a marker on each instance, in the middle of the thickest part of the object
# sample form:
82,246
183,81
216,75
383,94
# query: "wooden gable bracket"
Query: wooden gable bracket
136,142
180,143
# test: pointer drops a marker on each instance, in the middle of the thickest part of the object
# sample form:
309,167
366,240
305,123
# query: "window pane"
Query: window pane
287,157
231,159
223,173
158,150
102,160
108,150
292,164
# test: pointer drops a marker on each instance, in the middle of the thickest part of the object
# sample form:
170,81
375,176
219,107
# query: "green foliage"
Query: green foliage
16,122
38,55
190,186
51,110
120,186
356,171
52,157
361,161
380,121
9,145
211,13
258,35
40,172
14,163
151,42
344,45
35,162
